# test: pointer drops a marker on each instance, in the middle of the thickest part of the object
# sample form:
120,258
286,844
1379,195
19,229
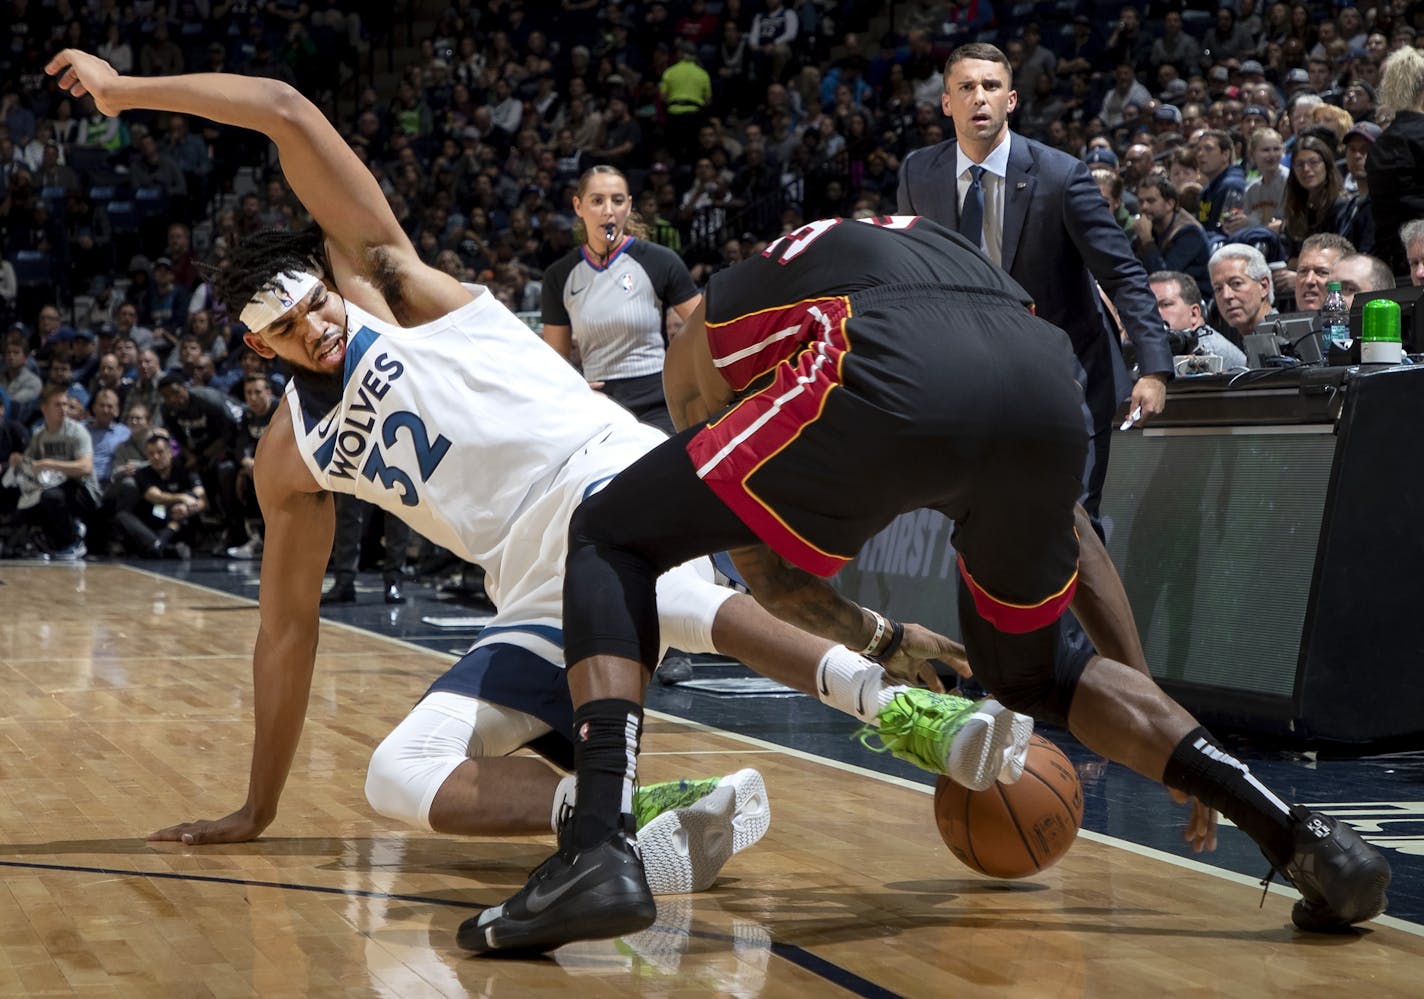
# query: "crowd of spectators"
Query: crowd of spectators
734,121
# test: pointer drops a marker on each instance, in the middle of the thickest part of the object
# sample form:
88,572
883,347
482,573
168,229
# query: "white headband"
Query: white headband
271,304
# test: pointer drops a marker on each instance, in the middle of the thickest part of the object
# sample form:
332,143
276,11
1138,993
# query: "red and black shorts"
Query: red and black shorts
900,398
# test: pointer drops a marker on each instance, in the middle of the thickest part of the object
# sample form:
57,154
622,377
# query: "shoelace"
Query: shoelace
920,741
1266,885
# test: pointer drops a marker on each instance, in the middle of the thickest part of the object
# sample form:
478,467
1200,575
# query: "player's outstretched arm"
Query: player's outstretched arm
300,525
814,605
331,182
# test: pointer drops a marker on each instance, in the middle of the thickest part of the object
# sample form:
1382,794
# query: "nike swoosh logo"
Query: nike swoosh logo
574,291
824,688
334,414
860,700
539,899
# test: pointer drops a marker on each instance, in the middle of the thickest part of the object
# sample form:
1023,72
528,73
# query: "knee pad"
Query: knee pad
441,732
401,785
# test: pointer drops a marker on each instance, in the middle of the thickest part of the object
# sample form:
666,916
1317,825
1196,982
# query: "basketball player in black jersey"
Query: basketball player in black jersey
850,373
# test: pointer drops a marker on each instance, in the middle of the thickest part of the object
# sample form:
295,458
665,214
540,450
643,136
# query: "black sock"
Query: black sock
606,735
1203,769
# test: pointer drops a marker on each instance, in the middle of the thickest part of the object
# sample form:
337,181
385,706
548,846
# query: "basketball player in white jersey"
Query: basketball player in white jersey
431,400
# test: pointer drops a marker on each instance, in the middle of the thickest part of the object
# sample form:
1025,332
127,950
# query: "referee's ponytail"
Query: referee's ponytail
635,226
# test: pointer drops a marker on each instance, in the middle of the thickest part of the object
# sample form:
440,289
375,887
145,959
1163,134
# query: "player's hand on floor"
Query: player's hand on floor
239,827
1201,827
912,663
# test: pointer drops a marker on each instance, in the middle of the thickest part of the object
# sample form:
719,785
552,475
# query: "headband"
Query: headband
271,304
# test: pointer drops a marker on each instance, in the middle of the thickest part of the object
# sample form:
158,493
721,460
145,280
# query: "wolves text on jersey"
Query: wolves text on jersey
354,439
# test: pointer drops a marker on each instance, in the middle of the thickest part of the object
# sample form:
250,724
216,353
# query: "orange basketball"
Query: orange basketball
1014,830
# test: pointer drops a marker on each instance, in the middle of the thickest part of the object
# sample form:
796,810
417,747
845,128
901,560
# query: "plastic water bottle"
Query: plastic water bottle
1335,318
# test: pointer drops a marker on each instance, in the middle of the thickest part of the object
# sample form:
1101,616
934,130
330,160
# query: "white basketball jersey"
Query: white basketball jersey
455,426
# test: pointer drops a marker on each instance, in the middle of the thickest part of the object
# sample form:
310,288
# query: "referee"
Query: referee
609,298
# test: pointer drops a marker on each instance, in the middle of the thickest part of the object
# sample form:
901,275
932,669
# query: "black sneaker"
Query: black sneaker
599,893
1340,877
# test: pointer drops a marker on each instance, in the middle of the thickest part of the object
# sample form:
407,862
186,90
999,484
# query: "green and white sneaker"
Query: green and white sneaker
688,829
974,744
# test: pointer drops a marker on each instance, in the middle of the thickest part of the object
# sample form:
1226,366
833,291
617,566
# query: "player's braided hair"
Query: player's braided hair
257,259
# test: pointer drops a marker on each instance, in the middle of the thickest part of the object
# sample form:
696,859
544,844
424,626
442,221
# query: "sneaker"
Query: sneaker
247,552
687,830
674,669
72,553
974,744
1341,878
598,893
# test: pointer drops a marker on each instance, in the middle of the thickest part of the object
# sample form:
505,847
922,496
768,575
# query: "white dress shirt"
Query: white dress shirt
996,166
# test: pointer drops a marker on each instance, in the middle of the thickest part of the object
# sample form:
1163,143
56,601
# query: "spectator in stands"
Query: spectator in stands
1128,43
106,433
1226,39
84,357
1175,46
154,168
1266,191
1411,237
1127,90
110,375
1315,201
1360,272
126,324
59,447
1318,255
1396,164
164,524
205,427
1357,223
160,55
1225,182
127,352
261,403
167,300
621,136
190,153
60,373
1179,300
20,383
1241,285
1167,238
148,372
773,34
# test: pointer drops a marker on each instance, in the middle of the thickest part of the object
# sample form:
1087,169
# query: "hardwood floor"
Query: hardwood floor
128,707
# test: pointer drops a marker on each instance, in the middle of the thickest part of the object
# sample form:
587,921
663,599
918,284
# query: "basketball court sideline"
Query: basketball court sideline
129,700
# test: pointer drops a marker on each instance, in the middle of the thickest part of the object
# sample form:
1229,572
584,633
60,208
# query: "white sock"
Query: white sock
849,682
563,797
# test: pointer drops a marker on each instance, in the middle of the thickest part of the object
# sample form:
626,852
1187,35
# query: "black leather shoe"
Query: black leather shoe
394,594
339,594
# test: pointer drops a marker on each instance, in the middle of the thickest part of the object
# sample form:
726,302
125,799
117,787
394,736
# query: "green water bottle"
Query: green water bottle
1380,341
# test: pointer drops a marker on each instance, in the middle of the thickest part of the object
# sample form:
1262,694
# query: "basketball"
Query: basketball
1014,830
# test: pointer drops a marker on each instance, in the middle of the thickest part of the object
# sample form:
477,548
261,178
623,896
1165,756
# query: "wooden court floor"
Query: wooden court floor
126,707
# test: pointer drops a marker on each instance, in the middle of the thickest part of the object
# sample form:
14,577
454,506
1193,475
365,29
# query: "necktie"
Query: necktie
971,215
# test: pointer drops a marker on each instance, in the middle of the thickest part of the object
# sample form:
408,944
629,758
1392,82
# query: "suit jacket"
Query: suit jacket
1058,236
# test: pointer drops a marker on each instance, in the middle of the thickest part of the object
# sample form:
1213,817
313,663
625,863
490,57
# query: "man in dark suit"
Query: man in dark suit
1038,214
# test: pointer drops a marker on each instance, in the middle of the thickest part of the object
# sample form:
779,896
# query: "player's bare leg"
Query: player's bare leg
1119,711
